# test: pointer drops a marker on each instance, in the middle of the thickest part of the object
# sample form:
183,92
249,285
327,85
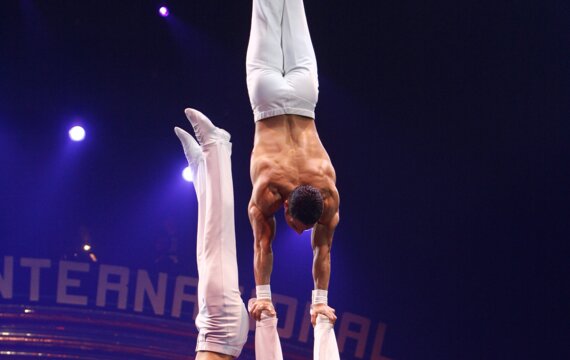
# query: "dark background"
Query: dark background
447,123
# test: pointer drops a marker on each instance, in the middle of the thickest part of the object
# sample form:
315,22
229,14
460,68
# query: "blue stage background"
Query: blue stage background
447,124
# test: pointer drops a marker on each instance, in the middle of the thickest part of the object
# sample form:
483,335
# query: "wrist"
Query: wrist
263,292
319,296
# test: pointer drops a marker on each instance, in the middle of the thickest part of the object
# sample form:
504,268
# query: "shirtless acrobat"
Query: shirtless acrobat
289,165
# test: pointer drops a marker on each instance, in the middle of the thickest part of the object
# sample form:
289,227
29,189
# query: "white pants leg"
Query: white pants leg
267,344
325,347
299,60
280,64
222,320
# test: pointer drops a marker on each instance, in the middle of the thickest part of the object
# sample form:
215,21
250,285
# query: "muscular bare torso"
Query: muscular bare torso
287,152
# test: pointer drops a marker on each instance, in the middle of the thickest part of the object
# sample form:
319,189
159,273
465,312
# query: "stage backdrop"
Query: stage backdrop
62,305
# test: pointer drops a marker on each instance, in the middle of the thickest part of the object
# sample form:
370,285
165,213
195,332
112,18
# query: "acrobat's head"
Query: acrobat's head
303,208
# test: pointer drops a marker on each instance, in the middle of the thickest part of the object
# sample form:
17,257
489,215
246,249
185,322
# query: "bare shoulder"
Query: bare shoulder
324,230
331,207
265,198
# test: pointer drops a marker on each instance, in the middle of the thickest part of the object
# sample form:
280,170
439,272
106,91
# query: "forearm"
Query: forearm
322,268
321,242
262,265
263,232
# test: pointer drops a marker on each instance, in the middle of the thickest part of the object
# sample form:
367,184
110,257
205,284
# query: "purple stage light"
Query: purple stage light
163,11
77,133
187,174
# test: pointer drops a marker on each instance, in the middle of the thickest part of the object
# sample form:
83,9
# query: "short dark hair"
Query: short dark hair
306,204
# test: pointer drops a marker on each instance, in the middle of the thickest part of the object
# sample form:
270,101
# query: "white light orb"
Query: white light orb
77,133
187,174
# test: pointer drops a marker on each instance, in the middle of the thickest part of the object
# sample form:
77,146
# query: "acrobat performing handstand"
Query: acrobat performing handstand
289,165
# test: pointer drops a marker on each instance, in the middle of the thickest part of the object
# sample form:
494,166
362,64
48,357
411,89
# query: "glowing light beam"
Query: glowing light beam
187,174
163,11
77,133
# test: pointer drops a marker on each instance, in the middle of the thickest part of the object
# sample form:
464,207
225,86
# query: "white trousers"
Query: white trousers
281,65
268,346
222,320
325,347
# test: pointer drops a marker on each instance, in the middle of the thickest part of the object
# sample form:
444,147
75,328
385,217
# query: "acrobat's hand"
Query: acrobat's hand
322,309
262,306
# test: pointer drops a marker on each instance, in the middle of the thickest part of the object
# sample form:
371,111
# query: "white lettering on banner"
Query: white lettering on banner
378,342
179,295
305,324
156,297
345,322
286,331
35,266
7,278
360,336
64,282
121,287
155,289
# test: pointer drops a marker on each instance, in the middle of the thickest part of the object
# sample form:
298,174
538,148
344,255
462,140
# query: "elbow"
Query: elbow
321,252
262,247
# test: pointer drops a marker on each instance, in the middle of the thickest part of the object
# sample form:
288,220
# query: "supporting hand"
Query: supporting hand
322,309
258,306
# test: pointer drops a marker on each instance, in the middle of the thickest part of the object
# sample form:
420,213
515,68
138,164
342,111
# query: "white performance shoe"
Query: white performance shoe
192,150
206,132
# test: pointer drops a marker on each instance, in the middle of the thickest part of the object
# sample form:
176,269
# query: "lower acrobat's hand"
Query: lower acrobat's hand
322,309
258,306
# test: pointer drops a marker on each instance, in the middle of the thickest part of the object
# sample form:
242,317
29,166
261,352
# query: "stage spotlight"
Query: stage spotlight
163,11
77,133
86,247
187,174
